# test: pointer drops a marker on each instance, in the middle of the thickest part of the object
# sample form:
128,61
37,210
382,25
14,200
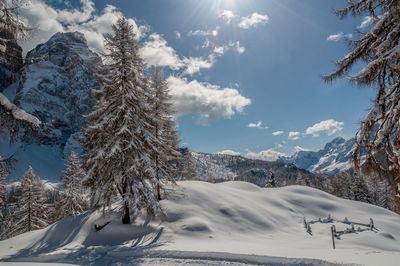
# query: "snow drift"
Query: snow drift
227,222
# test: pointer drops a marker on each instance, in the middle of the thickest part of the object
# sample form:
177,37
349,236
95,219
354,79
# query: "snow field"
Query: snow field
226,222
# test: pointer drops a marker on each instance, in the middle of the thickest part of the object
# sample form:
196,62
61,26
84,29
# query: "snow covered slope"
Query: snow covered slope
220,224
333,158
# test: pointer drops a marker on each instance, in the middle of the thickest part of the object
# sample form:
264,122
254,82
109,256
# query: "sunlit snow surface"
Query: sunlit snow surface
219,224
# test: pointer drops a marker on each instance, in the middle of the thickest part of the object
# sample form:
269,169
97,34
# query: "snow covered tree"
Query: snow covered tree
166,155
119,139
71,200
10,20
271,180
3,189
379,136
187,168
32,211
358,188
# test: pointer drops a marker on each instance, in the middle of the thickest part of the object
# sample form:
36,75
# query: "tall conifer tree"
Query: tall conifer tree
166,155
120,142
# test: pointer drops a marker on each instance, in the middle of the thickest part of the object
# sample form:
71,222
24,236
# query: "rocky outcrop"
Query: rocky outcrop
56,85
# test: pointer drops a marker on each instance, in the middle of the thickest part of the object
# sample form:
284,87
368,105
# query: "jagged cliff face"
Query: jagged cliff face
333,158
55,85
10,59
57,80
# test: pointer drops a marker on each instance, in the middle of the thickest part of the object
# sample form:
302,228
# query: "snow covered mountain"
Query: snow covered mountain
55,86
333,158
57,83
230,223
224,167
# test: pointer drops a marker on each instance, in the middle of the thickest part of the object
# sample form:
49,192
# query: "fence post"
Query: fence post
333,229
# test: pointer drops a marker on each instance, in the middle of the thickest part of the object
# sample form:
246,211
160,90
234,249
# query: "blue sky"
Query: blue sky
232,64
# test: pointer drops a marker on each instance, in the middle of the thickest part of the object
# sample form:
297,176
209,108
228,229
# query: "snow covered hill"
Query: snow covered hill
333,158
220,224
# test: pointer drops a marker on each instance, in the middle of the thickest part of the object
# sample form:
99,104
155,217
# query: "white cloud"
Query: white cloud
194,64
253,20
236,45
329,126
155,51
366,22
339,36
277,133
204,32
204,99
255,125
177,34
220,50
227,15
294,135
298,148
76,16
47,20
268,155
229,152
238,48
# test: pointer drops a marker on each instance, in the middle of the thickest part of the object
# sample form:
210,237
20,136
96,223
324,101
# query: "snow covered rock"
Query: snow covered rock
330,160
57,83
55,86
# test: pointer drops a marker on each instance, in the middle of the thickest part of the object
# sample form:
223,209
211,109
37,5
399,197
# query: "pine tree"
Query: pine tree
187,169
32,211
71,200
378,138
166,155
358,189
271,180
120,143
3,188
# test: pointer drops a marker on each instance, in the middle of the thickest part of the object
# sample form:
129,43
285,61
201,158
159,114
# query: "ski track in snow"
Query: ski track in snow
166,257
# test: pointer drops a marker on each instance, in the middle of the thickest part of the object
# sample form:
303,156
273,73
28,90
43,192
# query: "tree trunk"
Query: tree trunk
126,219
158,192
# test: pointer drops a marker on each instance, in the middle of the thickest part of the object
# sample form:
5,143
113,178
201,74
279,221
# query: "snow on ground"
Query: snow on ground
219,224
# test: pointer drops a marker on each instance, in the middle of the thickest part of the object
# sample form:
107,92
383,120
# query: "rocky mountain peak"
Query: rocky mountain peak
57,80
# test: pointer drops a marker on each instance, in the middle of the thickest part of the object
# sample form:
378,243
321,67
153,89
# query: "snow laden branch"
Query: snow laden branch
379,136
17,113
